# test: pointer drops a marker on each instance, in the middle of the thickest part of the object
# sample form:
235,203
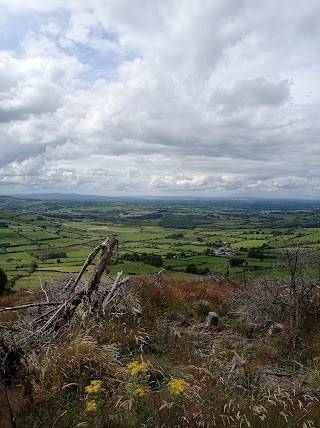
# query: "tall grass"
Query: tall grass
225,369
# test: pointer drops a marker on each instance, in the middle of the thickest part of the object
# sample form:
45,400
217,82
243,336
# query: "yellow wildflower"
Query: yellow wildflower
136,368
95,386
140,391
177,386
91,406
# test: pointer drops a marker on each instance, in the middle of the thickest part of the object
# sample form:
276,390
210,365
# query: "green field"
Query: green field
50,239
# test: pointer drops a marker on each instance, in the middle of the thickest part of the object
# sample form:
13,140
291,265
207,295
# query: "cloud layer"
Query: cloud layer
218,97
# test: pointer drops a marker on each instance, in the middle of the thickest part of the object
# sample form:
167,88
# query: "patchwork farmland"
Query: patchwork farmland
43,240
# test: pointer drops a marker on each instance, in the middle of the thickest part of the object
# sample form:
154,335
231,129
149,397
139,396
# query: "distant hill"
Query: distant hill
71,197
240,202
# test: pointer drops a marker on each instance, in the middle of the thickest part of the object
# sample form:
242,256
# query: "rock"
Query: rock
275,328
212,319
137,312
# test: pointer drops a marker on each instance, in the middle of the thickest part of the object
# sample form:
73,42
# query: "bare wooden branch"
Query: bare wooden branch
44,291
106,248
67,310
53,317
278,374
69,283
41,317
29,305
158,276
88,261
117,284
8,327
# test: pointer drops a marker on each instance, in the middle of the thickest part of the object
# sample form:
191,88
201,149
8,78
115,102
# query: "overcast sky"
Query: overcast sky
160,97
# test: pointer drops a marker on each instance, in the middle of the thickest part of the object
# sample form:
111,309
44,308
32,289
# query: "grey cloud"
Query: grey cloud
256,92
29,98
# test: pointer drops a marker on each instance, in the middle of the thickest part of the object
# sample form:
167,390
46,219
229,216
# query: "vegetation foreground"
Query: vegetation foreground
172,353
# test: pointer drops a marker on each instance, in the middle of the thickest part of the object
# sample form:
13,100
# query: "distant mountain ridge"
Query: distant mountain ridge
63,196
275,203
97,198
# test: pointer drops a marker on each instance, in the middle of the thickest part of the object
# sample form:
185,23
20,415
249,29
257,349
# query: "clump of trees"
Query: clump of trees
237,262
50,255
256,253
194,269
4,282
147,258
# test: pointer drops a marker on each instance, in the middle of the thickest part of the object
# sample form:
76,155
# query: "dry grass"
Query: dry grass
227,368
15,299
75,363
179,296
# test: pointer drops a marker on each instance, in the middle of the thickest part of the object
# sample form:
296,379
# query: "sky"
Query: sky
160,97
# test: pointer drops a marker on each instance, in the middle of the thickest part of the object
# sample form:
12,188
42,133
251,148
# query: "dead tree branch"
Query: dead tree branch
29,305
117,284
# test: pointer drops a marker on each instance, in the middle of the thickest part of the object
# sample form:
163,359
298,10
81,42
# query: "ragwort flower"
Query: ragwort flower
140,391
94,387
136,368
177,387
91,406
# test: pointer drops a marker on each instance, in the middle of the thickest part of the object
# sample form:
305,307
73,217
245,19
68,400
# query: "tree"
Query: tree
302,266
192,268
290,295
4,283
33,266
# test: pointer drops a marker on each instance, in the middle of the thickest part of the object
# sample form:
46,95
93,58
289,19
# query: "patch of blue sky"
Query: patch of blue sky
102,61
99,32
100,64
15,26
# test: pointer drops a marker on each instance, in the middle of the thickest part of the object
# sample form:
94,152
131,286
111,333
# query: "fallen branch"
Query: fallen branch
54,316
29,305
117,284
279,374
8,327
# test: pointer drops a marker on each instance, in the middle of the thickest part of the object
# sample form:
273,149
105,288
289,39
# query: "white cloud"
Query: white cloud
213,97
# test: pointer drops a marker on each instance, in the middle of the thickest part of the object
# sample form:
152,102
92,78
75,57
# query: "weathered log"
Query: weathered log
107,248
70,306
88,261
